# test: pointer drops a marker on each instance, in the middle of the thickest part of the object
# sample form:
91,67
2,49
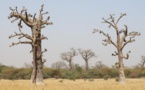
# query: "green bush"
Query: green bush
55,73
106,77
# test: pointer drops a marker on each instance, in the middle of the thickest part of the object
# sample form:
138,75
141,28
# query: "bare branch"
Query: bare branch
16,15
108,40
128,41
42,38
34,19
125,31
120,17
115,53
41,10
110,21
46,22
44,13
21,35
45,50
127,55
20,42
133,34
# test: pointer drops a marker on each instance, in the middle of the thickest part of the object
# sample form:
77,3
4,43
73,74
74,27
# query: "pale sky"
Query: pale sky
74,21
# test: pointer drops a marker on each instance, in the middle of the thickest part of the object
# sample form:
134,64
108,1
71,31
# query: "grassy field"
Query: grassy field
59,84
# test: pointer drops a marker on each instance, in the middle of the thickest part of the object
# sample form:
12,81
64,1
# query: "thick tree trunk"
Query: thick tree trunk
37,74
121,69
87,65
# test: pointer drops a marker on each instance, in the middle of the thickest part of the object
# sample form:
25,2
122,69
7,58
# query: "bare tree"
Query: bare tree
142,62
68,56
59,65
99,65
36,25
123,38
86,55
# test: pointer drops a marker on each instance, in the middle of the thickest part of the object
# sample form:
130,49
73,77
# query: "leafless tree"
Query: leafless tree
59,65
99,65
68,56
123,38
36,25
86,55
142,62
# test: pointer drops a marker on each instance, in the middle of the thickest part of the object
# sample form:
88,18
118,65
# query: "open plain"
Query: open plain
80,84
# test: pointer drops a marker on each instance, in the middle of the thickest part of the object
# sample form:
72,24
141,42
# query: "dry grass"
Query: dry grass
57,84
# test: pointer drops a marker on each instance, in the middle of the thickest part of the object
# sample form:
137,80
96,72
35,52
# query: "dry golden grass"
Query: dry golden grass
56,84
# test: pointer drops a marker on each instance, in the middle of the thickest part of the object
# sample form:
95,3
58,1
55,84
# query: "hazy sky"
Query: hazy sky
74,21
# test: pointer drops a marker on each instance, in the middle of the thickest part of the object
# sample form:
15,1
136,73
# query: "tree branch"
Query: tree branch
127,55
131,35
108,40
46,21
21,35
115,53
125,34
120,17
20,42
128,41
45,50
24,18
42,38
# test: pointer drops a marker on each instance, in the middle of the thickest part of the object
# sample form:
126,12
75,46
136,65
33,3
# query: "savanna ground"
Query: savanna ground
80,84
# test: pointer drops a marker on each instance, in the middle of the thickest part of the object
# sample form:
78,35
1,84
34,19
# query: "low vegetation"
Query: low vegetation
79,84
12,73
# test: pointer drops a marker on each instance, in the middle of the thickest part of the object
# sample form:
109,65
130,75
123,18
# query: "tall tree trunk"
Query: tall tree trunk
37,74
121,68
87,66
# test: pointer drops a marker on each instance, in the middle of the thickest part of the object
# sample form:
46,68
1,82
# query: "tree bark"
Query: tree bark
37,74
121,68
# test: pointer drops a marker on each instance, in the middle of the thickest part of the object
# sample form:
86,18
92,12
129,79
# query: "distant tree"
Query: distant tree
26,65
123,38
36,25
99,65
142,62
59,65
68,56
86,55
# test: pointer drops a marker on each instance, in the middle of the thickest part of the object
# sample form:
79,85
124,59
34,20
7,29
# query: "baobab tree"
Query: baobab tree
123,38
68,56
86,55
36,25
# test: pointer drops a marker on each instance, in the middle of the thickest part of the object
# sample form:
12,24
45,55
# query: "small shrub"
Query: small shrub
61,81
117,79
91,80
106,77
72,78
